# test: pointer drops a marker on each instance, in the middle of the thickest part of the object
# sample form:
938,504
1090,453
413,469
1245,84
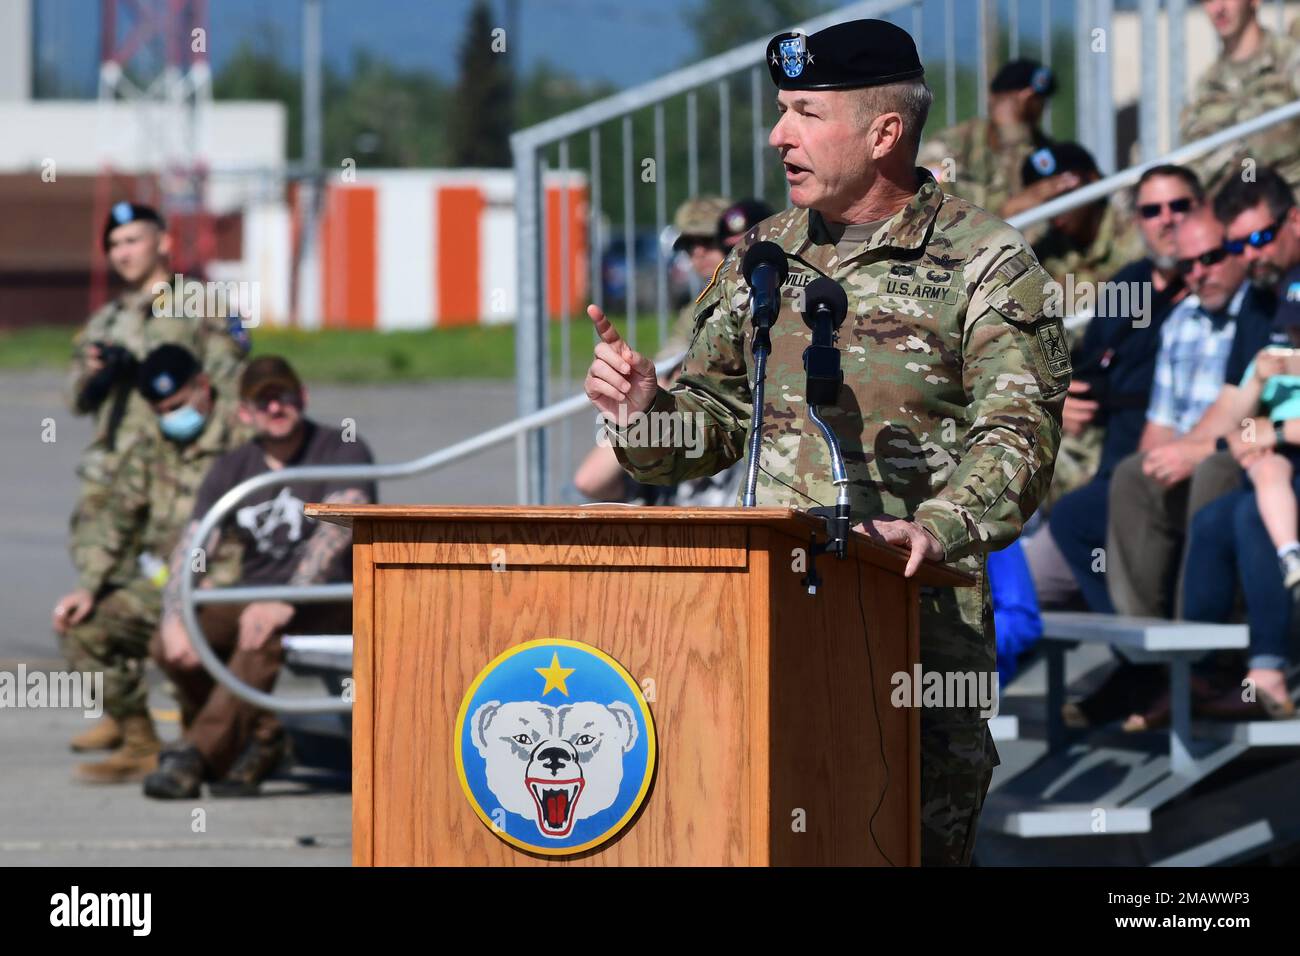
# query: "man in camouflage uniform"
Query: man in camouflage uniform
979,160
950,411
105,625
1082,247
731,223
118,336
1257,71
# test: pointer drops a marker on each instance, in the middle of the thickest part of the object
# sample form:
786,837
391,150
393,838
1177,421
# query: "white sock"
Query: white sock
1288,547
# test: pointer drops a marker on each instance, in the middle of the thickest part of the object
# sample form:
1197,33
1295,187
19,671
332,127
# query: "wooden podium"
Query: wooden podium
777,741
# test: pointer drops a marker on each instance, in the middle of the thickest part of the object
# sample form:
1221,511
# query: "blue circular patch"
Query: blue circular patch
555,746
1044,161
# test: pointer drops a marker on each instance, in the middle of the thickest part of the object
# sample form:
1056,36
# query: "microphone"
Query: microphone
826,305
765,270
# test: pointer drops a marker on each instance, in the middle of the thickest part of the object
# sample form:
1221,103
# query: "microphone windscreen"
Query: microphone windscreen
765,253
828,293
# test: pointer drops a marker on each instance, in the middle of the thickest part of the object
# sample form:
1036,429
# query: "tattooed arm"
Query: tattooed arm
327,542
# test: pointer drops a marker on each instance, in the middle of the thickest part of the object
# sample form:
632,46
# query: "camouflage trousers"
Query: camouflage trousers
114,639
957,761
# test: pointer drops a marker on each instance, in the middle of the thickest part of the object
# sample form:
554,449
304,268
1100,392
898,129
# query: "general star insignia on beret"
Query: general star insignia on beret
793,53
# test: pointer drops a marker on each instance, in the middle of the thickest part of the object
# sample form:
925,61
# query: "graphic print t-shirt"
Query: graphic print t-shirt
270,523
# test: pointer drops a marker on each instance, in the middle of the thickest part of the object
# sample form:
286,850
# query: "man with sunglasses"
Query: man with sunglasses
1151,496
1110,391
1257,71
225,740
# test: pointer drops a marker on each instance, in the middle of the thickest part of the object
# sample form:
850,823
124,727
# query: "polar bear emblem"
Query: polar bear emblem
554,764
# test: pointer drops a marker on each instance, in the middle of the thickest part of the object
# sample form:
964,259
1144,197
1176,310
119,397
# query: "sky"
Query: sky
590,37
622,42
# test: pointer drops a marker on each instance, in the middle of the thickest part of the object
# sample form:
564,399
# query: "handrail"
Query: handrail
320,593
1128,177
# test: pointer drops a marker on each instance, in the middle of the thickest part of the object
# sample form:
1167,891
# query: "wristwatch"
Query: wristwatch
1279,430
1221,443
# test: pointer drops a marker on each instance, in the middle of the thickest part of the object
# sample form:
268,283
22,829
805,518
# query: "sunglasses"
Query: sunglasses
262,401
1207,259
1150,210
1256,240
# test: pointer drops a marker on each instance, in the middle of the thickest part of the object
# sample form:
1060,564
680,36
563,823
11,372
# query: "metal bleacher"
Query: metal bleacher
1105,792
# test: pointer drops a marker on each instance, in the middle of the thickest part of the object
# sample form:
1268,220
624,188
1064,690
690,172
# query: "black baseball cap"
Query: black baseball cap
1057,158
125,212
1024,74
165,371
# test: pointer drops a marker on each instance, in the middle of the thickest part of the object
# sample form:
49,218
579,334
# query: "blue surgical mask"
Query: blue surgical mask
183,423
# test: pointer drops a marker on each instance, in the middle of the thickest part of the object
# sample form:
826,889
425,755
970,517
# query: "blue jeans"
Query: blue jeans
1078,525
1228,547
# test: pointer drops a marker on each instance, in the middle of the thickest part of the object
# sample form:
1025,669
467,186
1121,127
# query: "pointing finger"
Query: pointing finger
604,328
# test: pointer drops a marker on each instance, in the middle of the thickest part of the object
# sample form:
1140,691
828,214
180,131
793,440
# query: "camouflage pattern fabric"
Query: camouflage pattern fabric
985,160
1229,93
950,414
114,639
151,504
129,321
699,216
152,499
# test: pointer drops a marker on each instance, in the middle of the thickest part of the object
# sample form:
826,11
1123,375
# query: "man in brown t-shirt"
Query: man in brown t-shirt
224,739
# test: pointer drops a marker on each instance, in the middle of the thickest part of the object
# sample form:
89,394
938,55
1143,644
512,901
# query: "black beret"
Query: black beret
165,371
845,56
1057,158
1024,74
124,212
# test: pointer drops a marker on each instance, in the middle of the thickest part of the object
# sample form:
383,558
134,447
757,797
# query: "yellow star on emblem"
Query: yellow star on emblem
555,676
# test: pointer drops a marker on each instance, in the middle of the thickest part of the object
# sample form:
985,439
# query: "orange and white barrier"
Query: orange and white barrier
428,248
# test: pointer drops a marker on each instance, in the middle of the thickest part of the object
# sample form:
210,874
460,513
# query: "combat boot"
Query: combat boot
179,775
135,759
105,735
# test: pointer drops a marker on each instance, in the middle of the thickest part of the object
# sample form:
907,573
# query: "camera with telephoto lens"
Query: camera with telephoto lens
119,365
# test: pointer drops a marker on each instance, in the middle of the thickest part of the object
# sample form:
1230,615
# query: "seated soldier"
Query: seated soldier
225,740
106,624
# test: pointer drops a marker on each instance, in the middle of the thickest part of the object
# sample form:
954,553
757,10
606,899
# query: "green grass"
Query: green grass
347,356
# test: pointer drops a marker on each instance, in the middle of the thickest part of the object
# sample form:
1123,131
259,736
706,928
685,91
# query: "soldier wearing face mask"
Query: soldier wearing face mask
106,623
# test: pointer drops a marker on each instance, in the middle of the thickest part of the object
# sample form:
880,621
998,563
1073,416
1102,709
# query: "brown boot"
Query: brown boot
105,735
134,760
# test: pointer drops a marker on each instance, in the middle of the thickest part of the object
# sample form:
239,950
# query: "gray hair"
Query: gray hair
910,99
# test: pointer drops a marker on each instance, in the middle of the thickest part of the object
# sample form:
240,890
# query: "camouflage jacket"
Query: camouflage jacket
129,321
153,497
1229,93
950,412
980,173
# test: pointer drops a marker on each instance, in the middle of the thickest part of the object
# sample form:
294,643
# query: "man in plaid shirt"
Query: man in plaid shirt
1155,491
